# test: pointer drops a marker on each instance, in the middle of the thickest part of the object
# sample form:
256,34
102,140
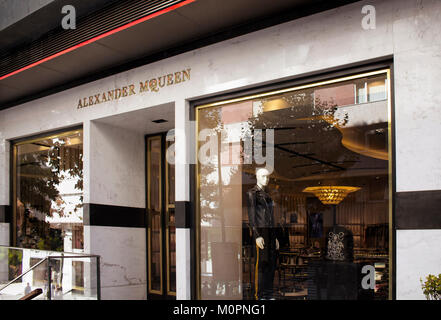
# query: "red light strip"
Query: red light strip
108,33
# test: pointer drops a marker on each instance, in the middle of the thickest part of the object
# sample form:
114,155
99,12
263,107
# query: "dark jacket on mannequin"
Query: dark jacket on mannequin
261,220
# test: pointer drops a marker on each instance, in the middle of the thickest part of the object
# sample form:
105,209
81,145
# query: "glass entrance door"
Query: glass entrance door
161,230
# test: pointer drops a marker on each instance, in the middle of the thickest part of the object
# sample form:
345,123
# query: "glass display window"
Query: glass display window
48,192
293,192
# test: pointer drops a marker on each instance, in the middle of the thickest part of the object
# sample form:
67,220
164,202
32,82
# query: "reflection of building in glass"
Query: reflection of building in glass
49,193
325,137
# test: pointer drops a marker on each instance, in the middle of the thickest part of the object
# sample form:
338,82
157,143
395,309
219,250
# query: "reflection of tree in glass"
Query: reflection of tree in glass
215,173
15,258
40,174
306,134
75,171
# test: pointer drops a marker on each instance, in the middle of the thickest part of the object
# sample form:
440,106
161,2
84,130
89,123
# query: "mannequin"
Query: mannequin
261,220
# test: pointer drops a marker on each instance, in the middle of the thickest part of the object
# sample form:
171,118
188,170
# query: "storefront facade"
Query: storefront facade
330,103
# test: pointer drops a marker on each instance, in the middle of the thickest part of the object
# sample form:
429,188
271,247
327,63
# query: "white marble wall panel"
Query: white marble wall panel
418,255
4,170
418,121
129,292
116,166
417,57
416,24
86,161
123,260
183,283
4,234
4,241
4,265
183,149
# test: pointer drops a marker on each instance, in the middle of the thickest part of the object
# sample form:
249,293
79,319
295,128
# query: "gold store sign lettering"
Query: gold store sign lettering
152,85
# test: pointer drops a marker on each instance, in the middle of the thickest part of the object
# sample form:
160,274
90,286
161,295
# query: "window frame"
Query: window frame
13,171
302,82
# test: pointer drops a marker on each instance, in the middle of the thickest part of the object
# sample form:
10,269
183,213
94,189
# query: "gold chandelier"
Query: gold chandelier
331,194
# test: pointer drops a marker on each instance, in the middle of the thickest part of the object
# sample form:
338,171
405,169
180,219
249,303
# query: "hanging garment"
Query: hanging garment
339,244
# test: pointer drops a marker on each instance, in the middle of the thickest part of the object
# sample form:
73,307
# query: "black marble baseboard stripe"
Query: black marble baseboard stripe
418,210
183,214
5,214
113,216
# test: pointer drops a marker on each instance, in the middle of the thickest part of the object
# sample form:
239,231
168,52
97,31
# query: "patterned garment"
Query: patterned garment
339,244
336,246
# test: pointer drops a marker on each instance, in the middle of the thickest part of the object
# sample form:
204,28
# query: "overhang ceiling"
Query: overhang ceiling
23,24
188,27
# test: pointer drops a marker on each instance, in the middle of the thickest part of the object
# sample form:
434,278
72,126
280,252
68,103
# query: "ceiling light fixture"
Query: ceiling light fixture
331,194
